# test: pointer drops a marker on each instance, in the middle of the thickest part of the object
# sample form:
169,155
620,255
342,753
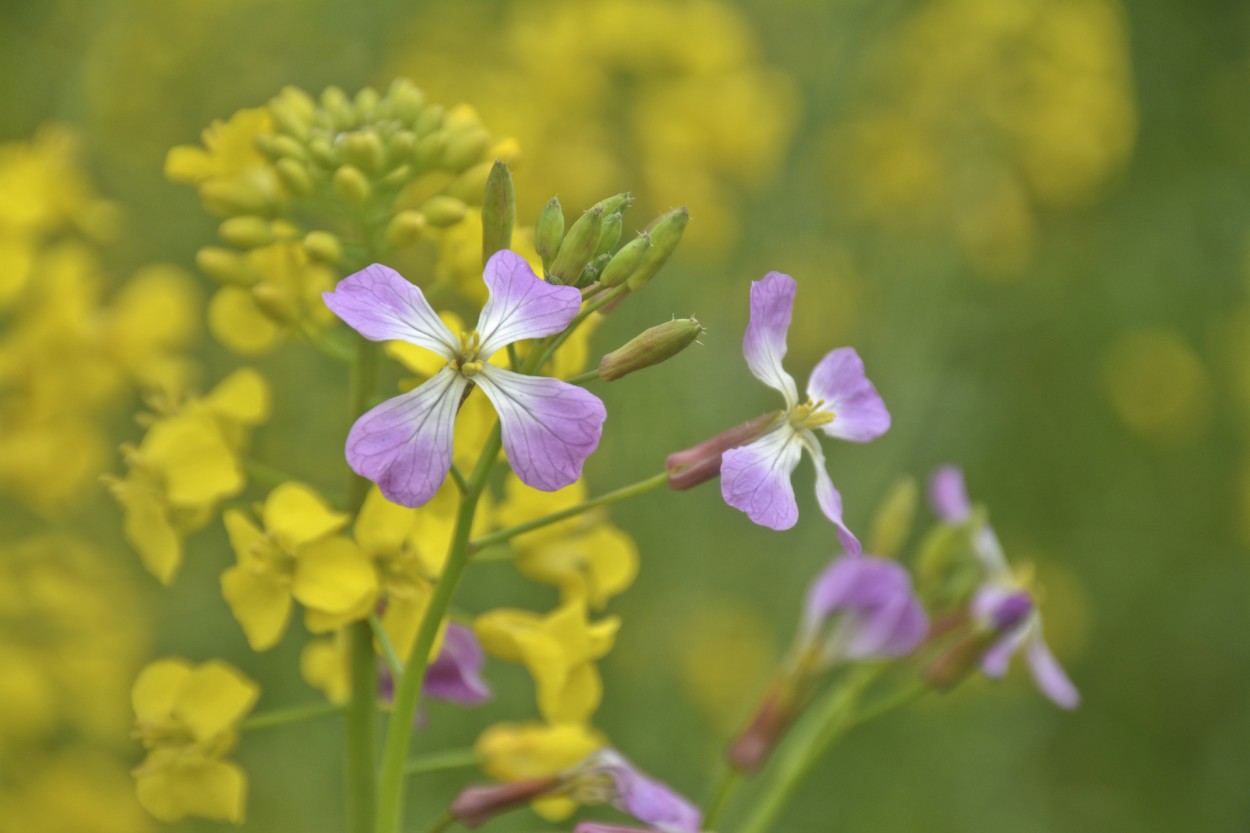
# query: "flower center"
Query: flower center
466,361
811,414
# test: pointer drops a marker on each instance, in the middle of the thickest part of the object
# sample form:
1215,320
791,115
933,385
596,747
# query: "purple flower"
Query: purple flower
596,827
864,608
841,402
606,777
405,444
1002,605
455,676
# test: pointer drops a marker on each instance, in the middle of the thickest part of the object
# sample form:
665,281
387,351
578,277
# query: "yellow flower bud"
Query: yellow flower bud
238,195
246,232
275,303
405,228
323,246
366,104
363,149
351,185
285,146
398,177
322,152
337,106
224,266
429,120
399,147
442,211
429,151
405,100
470,184
465,148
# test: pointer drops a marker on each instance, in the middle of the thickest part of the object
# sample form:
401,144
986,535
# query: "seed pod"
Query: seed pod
577,247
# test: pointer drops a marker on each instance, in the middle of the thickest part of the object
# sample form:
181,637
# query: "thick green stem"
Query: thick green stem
831,718
408,688
287,716
362,710
624,493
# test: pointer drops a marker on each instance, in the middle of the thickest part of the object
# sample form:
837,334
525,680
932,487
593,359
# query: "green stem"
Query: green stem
441,823
361,728
583,378
292,714
624,493
726,786
408,688
831,718
393,662
441,762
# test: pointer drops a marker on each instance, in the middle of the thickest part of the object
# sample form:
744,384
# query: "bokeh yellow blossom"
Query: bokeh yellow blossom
520,751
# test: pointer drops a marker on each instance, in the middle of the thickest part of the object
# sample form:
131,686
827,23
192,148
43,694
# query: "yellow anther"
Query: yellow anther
810,415
470,369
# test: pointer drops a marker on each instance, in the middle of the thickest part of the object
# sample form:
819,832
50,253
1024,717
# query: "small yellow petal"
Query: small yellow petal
156,689
242,397
239,324
324,665
260,603
197,787
193,458
334,576
213,698
296,515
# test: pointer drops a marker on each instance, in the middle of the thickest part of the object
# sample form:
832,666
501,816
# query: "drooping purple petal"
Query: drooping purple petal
764,345
1049,675
549,427
878,614
756,478
381,305
456,675
643,797
522,305
405,444
827,495
859,413
948,495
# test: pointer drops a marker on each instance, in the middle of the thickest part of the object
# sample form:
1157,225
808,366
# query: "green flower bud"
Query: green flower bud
324,246
549,231
442,211
577,247
405,228
652,346
465,148
363,149
610,234
289,119
892,522
498,211
224,266
399,147
351,185
398,177
294,176
591,273
322,152
335,104
275,303
666,232
429,120
470,184
428,151
624,262
246,232
615,204
405,100
366,104
288,148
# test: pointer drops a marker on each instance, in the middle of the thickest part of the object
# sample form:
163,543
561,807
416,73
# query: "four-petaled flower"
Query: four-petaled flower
841,402
405,444
1002,604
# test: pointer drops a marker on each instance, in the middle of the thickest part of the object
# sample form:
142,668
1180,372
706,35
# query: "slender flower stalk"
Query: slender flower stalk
623,493
290,715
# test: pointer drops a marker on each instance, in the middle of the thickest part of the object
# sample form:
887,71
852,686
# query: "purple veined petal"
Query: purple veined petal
827,495
848,583
522,305
405,444
755,478
643,797
764,344
880,615
859,413
948,495
1049,675
549,427
892,630
381,305
456,675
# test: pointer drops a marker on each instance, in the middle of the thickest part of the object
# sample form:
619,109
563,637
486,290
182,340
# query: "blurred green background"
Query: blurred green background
1029,216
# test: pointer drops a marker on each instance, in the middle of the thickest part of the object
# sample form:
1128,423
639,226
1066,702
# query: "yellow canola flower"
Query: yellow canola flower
521,751
232,174
187,717
559,650
296,556
586,557
325,665
283,295
186,463
77,789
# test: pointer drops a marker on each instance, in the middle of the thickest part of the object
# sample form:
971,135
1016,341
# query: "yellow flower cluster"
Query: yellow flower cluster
271,171
71,633
976,117
670,99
